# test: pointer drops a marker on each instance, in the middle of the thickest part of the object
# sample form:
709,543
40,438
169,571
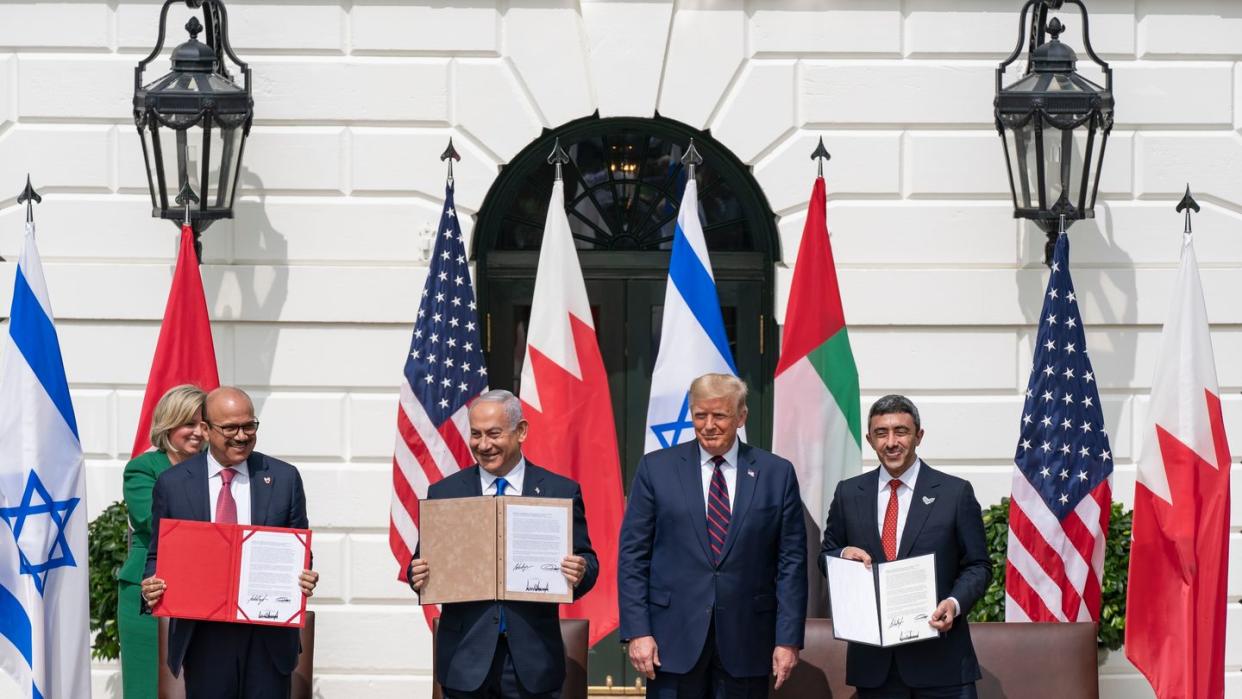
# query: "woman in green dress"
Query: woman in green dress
177,433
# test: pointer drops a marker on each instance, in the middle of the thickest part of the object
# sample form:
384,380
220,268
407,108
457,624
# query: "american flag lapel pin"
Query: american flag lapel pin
267,480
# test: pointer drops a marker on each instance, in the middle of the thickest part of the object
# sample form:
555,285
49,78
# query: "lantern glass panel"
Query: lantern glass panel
1020,142
148,156
182,158
225,152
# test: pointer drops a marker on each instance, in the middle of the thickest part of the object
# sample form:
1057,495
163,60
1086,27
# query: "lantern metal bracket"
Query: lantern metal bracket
1037,37
821,154
216,21
1188,204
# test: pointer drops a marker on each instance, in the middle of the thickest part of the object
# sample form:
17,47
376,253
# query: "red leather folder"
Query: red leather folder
201,564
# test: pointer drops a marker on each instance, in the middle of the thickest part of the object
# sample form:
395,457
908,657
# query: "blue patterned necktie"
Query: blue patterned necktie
501,485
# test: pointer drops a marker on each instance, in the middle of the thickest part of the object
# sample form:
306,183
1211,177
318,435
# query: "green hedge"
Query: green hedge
108,545
991,607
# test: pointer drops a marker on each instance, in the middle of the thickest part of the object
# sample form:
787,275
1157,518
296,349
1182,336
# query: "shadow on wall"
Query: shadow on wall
253,288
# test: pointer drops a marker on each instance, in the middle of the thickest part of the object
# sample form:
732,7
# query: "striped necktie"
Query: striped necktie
718,512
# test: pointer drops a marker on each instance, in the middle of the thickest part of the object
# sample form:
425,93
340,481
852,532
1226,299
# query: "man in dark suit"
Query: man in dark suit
229,483
906,508
712,562
506,650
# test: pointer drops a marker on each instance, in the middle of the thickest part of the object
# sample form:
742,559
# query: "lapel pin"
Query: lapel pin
536,490
267,480
750,472
927,500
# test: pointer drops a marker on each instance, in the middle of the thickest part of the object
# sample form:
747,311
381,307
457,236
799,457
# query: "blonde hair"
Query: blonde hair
709,386
180,405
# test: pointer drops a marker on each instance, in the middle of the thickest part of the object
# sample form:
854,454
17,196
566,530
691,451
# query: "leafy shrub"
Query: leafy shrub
108,545
1112,628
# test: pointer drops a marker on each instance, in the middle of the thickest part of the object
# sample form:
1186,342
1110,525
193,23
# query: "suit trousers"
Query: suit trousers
501,681
707,679
231,661
895,688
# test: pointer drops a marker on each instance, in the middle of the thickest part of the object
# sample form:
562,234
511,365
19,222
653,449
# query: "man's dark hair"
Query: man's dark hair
894,403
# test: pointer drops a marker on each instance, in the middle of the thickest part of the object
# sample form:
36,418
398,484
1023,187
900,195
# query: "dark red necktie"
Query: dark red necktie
717,511
226,506
889,536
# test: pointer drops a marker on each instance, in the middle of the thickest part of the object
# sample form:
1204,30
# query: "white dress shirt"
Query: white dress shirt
514,479
728,469
905,494
239,487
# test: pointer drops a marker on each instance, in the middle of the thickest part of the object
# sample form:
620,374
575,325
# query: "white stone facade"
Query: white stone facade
312,288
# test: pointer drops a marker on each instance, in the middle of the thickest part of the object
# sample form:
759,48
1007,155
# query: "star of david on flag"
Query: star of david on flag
44,608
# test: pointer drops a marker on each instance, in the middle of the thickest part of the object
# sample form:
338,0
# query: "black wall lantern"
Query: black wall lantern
1054,124
194,121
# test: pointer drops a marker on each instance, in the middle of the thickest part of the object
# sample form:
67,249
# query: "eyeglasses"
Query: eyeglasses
231,430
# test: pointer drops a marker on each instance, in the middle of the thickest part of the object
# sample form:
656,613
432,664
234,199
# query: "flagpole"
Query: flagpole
558,157
30,197
450,154
1188,204
691,160
821,154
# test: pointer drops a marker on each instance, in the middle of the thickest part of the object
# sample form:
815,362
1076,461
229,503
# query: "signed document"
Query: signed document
496,548
536,539
232,572
889,605
268,588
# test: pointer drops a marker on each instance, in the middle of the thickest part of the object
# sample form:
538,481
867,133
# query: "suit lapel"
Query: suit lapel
921,504
690,475
869,489
260,489
196,490
747,476
532,483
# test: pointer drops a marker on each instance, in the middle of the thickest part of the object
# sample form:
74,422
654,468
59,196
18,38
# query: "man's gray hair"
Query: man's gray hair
894,403
510,402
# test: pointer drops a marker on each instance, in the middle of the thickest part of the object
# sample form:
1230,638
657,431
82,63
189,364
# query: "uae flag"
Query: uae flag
184,352
566,401
1175,604
817,421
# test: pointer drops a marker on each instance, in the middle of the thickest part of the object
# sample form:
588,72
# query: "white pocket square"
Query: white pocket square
927,500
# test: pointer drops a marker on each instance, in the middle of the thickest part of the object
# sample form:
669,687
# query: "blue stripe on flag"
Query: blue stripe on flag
15,624
696,286
35,336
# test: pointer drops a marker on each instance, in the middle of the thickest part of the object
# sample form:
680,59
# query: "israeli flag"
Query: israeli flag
692,335
44,612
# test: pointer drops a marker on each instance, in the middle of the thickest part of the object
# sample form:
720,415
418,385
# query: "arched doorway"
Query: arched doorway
623,191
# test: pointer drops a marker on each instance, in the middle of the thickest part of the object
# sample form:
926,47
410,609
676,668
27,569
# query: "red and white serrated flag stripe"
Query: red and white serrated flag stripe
1175,607
566,400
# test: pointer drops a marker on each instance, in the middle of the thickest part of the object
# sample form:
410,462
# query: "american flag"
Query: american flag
444,371
1062,486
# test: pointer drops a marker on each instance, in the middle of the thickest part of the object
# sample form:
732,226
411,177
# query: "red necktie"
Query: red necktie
889,536
717,510
226,506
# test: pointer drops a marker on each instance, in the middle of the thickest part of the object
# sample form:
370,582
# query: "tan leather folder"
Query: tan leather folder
463,542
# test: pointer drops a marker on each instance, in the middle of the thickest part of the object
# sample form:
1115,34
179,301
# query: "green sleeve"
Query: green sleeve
140,475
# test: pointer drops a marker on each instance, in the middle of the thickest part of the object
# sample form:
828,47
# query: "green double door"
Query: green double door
628,308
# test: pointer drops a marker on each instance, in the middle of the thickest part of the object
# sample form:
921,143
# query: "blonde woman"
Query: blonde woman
177,433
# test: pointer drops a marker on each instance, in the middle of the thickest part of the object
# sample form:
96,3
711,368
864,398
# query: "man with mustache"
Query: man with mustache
234,484
501,649
903,509
712,562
